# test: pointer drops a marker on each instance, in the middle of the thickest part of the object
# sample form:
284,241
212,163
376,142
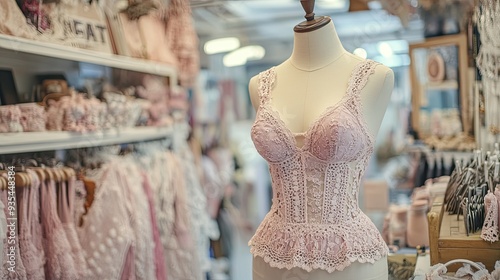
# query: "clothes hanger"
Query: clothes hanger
3,183
311,23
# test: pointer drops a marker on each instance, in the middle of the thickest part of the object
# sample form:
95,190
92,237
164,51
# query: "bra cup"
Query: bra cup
337,138
272,145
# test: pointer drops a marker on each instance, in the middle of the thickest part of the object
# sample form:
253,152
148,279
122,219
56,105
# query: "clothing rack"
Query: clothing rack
434,163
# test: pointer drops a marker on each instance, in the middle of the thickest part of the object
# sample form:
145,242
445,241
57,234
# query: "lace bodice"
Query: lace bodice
315,221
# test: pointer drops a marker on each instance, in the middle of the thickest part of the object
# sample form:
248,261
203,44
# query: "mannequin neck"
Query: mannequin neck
316,49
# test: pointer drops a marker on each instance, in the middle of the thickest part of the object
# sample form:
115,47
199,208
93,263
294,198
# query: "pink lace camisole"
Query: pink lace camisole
315,221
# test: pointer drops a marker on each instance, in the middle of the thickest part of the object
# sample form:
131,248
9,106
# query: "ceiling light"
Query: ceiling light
385,49
333,4
360,52
221,45
244,54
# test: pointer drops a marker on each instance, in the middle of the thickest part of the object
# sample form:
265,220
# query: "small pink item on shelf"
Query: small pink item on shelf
10,119
74,113
95,111
33,117
155,91
418,227
178,100
398,225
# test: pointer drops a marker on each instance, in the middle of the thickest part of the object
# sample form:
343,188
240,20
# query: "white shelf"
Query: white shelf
16,45
11,143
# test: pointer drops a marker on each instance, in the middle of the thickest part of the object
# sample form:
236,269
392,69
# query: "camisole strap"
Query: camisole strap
357,81
360,75
266,83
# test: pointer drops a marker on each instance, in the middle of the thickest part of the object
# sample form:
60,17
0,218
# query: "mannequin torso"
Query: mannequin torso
313,79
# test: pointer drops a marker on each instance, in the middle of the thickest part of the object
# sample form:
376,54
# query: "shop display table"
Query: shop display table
449,241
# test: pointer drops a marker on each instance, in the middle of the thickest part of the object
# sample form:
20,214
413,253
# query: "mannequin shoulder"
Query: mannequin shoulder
382,78
253,90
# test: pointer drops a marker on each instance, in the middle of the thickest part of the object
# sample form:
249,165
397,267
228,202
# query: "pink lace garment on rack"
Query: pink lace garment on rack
130,180
315,221
18,272
66,209
60,264
159,261
168,185
29,211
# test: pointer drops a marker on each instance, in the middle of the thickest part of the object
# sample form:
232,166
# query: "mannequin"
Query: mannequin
305,87
314,78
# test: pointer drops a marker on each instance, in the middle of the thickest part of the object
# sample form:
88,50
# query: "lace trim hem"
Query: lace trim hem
330,247
309,268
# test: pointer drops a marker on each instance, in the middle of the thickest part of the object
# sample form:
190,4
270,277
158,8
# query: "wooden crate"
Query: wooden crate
448,240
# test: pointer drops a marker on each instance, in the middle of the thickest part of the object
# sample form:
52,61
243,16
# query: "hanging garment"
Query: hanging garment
66,209
106,236
156,166
3,230
204,228
59,264
33,257
159,255
315,221
130,180
173,214
180,250
181,35
35,220
11,270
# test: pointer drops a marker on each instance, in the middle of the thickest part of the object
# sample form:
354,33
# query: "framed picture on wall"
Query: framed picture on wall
440,99
8,91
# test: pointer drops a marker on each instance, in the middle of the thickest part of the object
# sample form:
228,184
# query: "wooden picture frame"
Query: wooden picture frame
430,83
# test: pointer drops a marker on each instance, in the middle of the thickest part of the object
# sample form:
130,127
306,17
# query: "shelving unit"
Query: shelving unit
17,46
28,57
11,143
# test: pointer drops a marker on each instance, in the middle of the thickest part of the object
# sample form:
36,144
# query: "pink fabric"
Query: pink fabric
128,272
60,264
183,40
19,271
10,119
66,209
315,221
161,272
33,257
33,117
13,22
35,220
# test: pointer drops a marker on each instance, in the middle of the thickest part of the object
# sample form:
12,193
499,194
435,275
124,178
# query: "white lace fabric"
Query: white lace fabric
106,236
315,221
490,227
